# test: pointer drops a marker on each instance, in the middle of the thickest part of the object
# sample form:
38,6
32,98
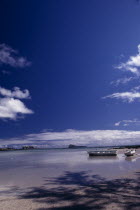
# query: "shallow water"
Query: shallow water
31,168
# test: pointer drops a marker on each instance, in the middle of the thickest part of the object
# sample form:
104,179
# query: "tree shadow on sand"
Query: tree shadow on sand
79,191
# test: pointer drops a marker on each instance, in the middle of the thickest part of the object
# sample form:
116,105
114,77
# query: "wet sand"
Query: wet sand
68,179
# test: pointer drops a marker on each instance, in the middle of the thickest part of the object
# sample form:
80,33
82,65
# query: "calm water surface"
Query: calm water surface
30,168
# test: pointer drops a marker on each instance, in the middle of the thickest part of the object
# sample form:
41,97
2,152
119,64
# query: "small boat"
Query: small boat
130,152
103,153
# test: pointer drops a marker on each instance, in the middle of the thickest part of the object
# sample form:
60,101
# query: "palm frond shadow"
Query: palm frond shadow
80,191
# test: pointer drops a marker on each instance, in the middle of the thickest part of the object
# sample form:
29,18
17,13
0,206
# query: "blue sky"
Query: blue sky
70,70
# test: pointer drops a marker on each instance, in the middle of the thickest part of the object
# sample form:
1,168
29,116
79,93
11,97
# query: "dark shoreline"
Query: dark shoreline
75,147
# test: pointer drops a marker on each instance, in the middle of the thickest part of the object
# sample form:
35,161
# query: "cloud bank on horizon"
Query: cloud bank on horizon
77,137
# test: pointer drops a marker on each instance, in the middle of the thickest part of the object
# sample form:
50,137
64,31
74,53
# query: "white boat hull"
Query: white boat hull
103,153
130,152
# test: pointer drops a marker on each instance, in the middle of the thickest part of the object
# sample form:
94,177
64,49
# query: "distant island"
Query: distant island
72,146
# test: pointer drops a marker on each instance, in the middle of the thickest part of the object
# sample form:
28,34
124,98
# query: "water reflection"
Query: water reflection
132,158
103,159
29,167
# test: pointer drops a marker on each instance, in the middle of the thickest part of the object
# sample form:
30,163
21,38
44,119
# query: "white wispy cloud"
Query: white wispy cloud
132,64
11,108
16,93
125,96
9,56
78,137
127,122
136,88
123,81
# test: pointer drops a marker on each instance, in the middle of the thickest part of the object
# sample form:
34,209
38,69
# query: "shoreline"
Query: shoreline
25,148
68,181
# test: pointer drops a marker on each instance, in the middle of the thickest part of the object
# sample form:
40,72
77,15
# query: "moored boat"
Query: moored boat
103,153
130,152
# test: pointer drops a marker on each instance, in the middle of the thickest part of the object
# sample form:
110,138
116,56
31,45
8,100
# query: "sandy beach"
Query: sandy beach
68,179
